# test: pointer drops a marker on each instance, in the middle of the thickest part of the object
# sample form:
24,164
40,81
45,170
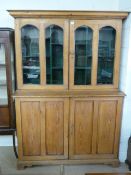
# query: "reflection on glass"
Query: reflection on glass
30,54
106,54
54,55
83,55
12,67
3,80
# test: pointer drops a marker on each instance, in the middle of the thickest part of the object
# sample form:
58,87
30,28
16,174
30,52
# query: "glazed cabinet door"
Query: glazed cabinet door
81,128
42,53
94,54
42,126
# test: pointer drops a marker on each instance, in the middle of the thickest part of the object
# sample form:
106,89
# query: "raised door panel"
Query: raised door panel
30,123
107,112
54,128
81,128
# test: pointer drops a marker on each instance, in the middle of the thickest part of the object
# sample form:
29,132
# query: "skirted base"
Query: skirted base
22,164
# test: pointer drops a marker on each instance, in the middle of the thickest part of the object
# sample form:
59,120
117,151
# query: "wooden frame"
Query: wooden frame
95,25
7,111
65,23
41,26
80,109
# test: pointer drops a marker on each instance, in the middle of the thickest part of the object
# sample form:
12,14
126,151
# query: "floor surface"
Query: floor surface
8,167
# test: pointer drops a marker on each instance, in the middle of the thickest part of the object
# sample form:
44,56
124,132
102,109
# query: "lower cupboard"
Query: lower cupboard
70,129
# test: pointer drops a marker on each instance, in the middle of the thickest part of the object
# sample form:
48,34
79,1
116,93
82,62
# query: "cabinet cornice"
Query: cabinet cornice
68,14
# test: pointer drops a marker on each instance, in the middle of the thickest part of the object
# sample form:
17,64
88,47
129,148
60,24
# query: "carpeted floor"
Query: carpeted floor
8,167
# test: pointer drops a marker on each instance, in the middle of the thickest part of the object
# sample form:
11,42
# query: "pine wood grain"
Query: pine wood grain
30,116
54,128
81,126
106,126
68,14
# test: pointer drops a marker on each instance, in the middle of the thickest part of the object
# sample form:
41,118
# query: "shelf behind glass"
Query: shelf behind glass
54,55
57,77
83,56
30,54
3,95
3,101
106,55
3,81
82,77
2,54
83,68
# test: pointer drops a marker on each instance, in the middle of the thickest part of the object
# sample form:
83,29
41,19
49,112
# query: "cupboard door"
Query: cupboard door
81,128
107,115
81,55
54,128
42,126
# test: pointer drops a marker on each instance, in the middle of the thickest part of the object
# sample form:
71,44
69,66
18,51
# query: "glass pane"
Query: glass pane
83,55
12,67
30,54
54,55
3,81
106,54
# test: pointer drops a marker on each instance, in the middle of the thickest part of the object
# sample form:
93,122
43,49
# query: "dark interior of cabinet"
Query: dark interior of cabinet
83,55
54,55
106,54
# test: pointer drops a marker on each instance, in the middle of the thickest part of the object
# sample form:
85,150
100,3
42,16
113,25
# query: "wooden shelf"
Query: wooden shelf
82,68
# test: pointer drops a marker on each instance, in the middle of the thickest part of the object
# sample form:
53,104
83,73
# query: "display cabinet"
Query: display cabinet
67,65
7,79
